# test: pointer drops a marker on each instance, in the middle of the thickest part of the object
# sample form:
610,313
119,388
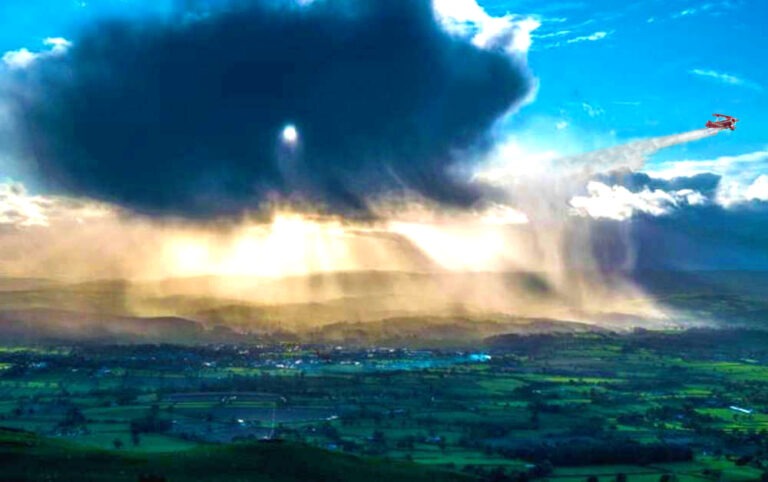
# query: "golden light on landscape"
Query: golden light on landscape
290,245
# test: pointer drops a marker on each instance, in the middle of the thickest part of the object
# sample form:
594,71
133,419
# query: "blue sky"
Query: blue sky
639,76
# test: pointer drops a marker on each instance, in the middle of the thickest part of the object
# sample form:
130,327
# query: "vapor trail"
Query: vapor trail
633,154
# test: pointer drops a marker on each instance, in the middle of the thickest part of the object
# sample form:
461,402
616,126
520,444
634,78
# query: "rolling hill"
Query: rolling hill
25,456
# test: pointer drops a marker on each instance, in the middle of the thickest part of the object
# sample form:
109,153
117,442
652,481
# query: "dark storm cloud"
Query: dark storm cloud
183,117
703,237
705,183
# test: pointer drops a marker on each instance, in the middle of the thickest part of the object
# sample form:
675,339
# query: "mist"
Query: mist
525,254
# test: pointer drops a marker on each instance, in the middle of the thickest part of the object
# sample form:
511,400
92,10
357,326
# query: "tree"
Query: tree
378,438
620,477
592,478
151,423
135,438
73,418
117,443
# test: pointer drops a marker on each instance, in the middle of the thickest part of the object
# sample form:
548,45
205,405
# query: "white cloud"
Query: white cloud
20,209
595,36
559,33
592,110
742,176
725,78
468,19
509,33
693,198
59,45
511,162
19,59
561,125
500,215
750,164
17,208
694,10
733,192
758,190
588,38
23,58
619,203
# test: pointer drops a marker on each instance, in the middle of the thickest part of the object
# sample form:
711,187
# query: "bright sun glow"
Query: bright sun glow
291,245
290,134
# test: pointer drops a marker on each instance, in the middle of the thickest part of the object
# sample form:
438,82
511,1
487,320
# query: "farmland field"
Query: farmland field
646,406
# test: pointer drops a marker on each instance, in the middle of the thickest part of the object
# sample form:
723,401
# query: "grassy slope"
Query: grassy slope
24,456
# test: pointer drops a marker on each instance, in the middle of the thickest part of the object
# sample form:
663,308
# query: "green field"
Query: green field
27,457
556,407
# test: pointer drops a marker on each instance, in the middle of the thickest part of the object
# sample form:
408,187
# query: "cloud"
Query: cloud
705,183
23,58
558,33
19,209
725,78
646,223
467,18
734,193
19,59
595,36
619,203
591,110
588,38
702,237
183,116
679,215
694,10
749,162
737,174
758,191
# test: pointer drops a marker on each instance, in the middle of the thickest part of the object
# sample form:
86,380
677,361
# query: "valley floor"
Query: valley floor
646,406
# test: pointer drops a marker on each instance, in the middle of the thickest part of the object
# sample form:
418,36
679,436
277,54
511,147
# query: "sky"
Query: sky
642,68
526,95
652,68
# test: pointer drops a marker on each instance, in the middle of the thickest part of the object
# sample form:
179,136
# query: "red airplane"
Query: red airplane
727,122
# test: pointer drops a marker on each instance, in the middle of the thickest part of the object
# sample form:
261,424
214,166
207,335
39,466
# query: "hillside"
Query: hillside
364,307
24,456
43,324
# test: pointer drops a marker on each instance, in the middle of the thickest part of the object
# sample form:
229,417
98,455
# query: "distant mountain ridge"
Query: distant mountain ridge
365,307
60,326
40,325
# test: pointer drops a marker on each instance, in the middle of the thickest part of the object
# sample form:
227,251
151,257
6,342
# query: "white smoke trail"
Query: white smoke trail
631,155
